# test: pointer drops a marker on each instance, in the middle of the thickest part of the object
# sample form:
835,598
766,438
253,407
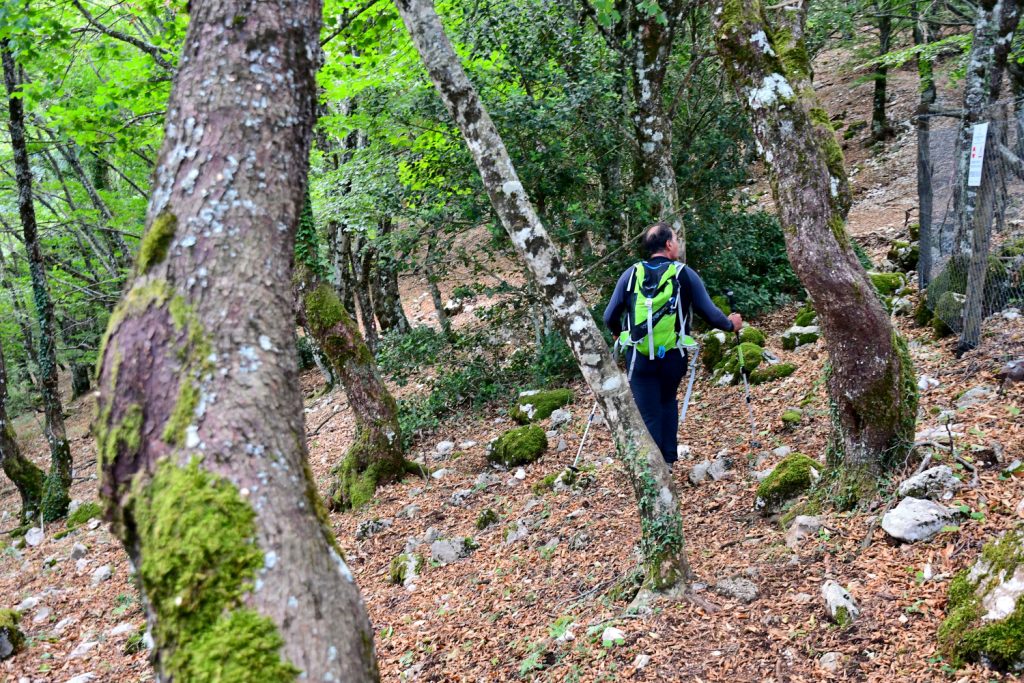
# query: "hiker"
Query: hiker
656,364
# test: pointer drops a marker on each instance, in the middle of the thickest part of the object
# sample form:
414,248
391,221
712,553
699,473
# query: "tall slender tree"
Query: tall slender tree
662,546
55,495
871,382
206,481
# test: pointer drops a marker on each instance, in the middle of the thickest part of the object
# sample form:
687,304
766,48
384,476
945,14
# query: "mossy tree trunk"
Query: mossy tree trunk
662,544
55,495
375,457
22,472
880,128
871,383
206,479
362,254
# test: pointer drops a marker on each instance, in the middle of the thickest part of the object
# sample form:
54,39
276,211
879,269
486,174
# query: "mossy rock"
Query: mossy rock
853,129
948,314
914,230
771,373
546,484
1012,249
12,641
791,477
985,616
888,284
791,417
486,518
728,369
398,572
805,317
723,304
796,337
532,406
953,278
519,446
713,345
84,513
922,314
904,255
752,335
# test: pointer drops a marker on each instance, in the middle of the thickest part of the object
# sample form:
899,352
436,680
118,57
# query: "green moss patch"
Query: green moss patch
965,635
789,479
888,284
729,367
398,572
486,518
805,316
9,630
84,513
795,337
752,335
948,314
157,241
532,406
519,446
199,557
772,373
904,255
55,500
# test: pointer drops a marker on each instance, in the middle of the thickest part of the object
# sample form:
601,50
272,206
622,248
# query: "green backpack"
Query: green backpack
656,303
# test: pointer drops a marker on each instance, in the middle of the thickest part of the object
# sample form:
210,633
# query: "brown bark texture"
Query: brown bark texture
662,543
200,432
871,383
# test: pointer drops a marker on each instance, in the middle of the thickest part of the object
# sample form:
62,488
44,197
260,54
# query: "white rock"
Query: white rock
562,446
830,661
34,536
62,625
836,599
439,474
683,452
612,636
782,451
83,649
101,574
121,629
520,474
975,396
445,447
926,383
74,505
932,483
939,434
699,472
641,661
466,445
560,417
82,678
78,551
41,615
27,604
93,524
802,527
81,565
915,519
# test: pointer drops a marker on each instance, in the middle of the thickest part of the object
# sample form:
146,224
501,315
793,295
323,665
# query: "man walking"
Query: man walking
659,294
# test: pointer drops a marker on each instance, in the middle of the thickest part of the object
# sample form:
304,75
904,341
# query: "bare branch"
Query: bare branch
157,53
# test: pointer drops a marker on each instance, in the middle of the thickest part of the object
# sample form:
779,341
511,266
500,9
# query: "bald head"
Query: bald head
658,238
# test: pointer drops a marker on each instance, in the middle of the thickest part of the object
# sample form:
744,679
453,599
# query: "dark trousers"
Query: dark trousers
655,385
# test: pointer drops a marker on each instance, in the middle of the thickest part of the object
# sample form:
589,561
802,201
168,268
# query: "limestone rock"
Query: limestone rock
926,383
802,527
27,604
790,478
796,336
932,483
372,527
560,417
34,536
78,551
915,519
83,649
839,603
11,638
830,661
974,396
739,588
445,448
532,406
612,636
101,574
699,472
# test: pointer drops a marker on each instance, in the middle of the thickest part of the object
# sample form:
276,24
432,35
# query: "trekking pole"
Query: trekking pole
754,443
689,383
579,451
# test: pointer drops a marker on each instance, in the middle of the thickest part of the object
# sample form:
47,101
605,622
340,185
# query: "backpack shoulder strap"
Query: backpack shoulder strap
685,294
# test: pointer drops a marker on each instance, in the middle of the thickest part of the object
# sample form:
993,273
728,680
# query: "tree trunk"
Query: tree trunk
993,35
81,379
340,248
206,481
922,36
22,472
362,265
22,318
651,51
871,383
55,497
662,544
387,300
435,293
880,128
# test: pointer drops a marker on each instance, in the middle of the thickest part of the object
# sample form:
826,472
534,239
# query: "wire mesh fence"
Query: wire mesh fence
972,238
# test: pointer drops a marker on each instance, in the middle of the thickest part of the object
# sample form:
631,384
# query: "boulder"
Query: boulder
101,574
830,661
11,638
948,313
737,588
445,448
612,636
888,284
839,604
932,483
974,396
559,417
802,527
372,527
791,477
34,536
772,373
518,446
532,406
78,551
713,347
795,336
83,648
447,551
904,255
459,498
926,383
915,519
985,613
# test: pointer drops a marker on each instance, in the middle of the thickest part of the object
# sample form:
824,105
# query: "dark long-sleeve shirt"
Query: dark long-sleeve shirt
701,303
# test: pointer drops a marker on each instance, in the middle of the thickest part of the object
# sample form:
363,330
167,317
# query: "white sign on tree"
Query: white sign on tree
977,154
